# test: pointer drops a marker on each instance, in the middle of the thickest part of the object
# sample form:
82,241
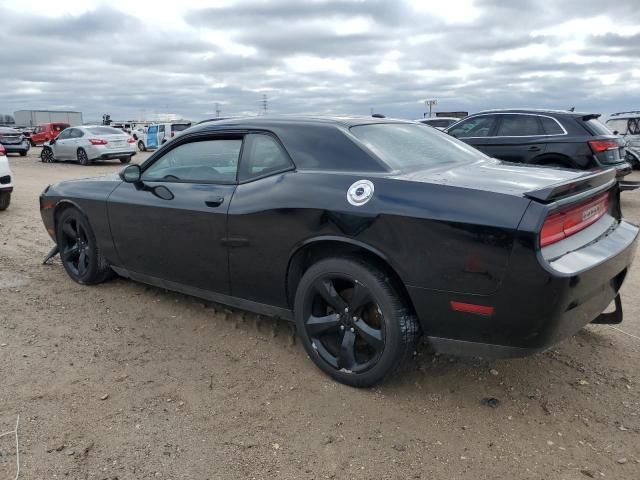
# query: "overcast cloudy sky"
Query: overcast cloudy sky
138,58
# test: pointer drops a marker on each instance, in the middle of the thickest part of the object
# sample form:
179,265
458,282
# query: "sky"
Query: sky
139,59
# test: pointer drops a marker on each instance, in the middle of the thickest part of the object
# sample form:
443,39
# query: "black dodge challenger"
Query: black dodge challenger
367,233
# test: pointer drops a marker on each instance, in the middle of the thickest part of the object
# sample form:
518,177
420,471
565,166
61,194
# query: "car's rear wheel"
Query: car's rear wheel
125,159
23,153
141,146
83,158
352,322
79,250
46,156
5,200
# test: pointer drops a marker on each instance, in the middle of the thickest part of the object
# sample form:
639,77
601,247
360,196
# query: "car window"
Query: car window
410,146
58,128
205,161
619,124
76,133
65,134
261,156
161,128
634,126
480,126
597,127
519,126
550,126
179,127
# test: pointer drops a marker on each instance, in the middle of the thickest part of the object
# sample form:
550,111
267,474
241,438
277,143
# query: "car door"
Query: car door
62,145
518,138
152,136
172,224
476,131
260,221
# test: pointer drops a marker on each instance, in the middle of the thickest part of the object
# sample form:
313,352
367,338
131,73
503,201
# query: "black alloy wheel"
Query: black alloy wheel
79,249
46,156
352,323
83,159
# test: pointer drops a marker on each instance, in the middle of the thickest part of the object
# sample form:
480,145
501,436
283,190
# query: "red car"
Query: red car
46,132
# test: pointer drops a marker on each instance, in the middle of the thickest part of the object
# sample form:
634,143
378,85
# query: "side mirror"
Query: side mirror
616,132
131,174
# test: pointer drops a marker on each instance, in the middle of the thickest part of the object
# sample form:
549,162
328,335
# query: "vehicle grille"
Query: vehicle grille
6,179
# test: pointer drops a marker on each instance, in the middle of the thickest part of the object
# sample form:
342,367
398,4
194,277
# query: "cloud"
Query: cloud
320,56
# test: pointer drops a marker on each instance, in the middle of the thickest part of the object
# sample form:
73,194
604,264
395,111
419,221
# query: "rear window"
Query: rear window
104,131
411,147
179,127
620,125
596,127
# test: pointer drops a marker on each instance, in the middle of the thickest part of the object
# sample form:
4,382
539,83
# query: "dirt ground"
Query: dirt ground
127,381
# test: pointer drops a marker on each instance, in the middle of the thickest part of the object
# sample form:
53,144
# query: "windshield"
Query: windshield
405,146
178,127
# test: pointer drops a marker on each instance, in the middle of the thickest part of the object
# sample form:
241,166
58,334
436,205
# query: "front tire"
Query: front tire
353,323
46,156
141,146
79,251
5,200
83,158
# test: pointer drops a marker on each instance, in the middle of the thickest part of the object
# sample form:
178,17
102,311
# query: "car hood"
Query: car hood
495,176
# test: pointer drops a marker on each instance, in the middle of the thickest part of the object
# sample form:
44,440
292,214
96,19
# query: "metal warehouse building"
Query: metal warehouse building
31,118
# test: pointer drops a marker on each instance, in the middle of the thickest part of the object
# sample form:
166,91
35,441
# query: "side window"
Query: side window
64,135
634,126
205,161
519,126
75,133
550,126
480,126
161,128
261,156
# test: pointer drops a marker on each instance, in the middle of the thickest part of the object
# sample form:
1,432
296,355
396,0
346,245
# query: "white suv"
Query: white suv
6,187
627,124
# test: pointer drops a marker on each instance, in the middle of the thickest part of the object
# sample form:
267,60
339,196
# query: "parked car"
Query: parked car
366,232
158,134
90,143
6,180
627,124
544,137
13,141
45,132
441,123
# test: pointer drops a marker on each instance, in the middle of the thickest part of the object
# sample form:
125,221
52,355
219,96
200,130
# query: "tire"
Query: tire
23,154
33,144
125,159
352,322
141,146
83,158
5,200
46,155
79,251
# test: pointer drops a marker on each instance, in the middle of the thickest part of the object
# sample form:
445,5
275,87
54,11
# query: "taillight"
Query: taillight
599,146
131,140
97,141
562,224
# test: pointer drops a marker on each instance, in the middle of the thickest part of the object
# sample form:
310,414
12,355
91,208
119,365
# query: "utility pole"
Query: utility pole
429,104
265,104
218,111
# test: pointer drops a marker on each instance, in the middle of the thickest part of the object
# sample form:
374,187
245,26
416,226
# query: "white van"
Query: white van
627,124
156,134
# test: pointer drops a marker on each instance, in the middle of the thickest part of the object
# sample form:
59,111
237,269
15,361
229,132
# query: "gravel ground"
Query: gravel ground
127,381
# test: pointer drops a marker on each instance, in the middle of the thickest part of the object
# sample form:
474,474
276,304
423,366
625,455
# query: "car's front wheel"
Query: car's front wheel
83,158
141,146
353,323
79,251
5,200
46,156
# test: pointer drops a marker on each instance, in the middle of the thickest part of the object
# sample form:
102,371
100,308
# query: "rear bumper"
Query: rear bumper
108,156
16,147
98,152
539,303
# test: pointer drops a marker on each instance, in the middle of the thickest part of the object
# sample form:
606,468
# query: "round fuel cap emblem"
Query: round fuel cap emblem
360,192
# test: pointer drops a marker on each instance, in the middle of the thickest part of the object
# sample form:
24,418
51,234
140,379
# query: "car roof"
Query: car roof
280,121
535,111
436,118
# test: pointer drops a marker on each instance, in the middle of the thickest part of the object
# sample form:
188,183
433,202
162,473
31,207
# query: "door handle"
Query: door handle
214,202
534,149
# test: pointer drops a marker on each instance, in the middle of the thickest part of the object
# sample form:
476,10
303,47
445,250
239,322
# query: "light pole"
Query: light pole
429,104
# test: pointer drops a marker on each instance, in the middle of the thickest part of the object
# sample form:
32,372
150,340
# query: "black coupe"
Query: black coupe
367,233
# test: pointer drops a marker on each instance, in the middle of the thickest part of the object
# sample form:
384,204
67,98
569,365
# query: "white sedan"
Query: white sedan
88,143
6,179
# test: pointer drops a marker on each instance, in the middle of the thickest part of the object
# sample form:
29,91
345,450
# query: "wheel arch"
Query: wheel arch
63,205
547,158
313,250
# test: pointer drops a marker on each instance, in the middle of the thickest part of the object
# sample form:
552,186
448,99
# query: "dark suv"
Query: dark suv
544,137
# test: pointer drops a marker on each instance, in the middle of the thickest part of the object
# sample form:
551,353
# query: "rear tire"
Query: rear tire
125,159
23,154
141,146
83,158
79,251
5,200
353,323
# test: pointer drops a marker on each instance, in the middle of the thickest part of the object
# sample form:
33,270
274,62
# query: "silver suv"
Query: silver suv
627,124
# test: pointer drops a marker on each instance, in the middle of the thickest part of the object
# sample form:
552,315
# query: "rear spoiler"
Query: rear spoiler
591,116
600,181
